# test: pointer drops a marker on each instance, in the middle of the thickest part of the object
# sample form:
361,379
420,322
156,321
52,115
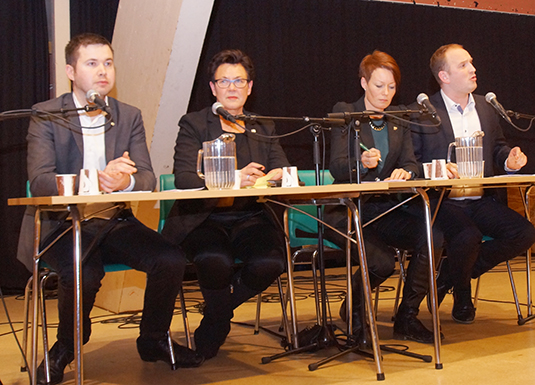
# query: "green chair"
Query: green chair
303,233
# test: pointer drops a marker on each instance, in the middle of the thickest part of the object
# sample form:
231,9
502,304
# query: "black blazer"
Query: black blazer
432,143
400,151
196,128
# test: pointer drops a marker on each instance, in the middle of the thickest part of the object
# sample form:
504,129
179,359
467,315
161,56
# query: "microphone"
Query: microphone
218,109
93,96
490,97
423,100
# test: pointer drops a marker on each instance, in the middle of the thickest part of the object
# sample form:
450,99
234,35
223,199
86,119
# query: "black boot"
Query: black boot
444,283
463,309
240,292
357,301
60,356
408,327
215,325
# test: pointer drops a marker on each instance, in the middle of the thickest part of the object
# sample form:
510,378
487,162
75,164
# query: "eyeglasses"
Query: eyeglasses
238,83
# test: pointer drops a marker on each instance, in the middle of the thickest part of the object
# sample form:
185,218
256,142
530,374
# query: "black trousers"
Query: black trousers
403,228
251,238
465,222
126,241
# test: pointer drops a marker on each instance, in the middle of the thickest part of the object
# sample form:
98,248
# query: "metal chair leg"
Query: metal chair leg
402,259
257,320
515,294
27,293
185,318
171,352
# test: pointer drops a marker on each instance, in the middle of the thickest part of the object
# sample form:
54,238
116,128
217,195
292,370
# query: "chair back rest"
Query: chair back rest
167,182
299,221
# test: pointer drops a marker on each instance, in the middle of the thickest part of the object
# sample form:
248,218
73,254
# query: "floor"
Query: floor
493,350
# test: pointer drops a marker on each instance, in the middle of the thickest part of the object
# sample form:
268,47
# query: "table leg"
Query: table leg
78,326
366,285
35,293
432,278
291,294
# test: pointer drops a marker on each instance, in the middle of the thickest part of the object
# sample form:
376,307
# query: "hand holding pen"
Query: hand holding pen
370,157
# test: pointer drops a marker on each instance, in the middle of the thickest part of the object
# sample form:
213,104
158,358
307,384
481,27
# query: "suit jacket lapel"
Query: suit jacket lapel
110,137
75,126
439,104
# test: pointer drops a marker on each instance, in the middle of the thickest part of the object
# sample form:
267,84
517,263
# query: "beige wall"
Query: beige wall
157,47
510,6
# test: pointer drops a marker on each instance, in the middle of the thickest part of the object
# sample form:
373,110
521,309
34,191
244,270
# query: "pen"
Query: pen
367,149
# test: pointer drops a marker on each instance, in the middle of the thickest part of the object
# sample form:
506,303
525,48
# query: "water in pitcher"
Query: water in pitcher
219,172
469,161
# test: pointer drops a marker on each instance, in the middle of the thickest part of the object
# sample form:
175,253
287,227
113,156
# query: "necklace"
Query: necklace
376,127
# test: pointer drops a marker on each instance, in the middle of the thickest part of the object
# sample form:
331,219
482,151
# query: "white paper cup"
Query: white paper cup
237,180
89,184
439,169
428,170
290,177
66,183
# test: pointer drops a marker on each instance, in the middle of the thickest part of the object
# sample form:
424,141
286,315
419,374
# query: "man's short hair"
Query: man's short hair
379,59
83,40
231,56
438,60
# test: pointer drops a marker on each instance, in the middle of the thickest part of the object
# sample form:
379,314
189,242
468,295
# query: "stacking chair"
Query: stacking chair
521,319
303,233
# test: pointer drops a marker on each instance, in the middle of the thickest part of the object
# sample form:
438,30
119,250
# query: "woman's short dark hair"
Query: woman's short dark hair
84,39
231,56
376,60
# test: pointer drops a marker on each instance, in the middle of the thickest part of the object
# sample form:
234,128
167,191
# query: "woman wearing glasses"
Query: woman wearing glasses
386,153
213,232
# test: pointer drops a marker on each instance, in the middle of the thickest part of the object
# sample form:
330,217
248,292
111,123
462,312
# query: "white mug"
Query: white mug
89,182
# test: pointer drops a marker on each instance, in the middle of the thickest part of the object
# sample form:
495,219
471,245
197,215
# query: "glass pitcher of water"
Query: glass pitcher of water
468,155
219,162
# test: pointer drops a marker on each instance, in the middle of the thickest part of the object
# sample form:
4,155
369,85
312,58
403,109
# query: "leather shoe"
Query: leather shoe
158,350
357,322
60,356
408,327
463,309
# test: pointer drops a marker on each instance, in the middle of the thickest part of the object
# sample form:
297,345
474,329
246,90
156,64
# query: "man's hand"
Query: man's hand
451,169
370,158
516,159
116,175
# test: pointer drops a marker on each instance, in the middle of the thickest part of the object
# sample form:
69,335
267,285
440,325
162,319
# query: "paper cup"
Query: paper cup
66,183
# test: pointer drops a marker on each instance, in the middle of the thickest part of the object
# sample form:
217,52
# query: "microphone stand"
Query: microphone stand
25,113
518,115
320,336
353,121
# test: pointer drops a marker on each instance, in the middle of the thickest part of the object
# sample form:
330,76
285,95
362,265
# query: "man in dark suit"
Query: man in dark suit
65,144
468,216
